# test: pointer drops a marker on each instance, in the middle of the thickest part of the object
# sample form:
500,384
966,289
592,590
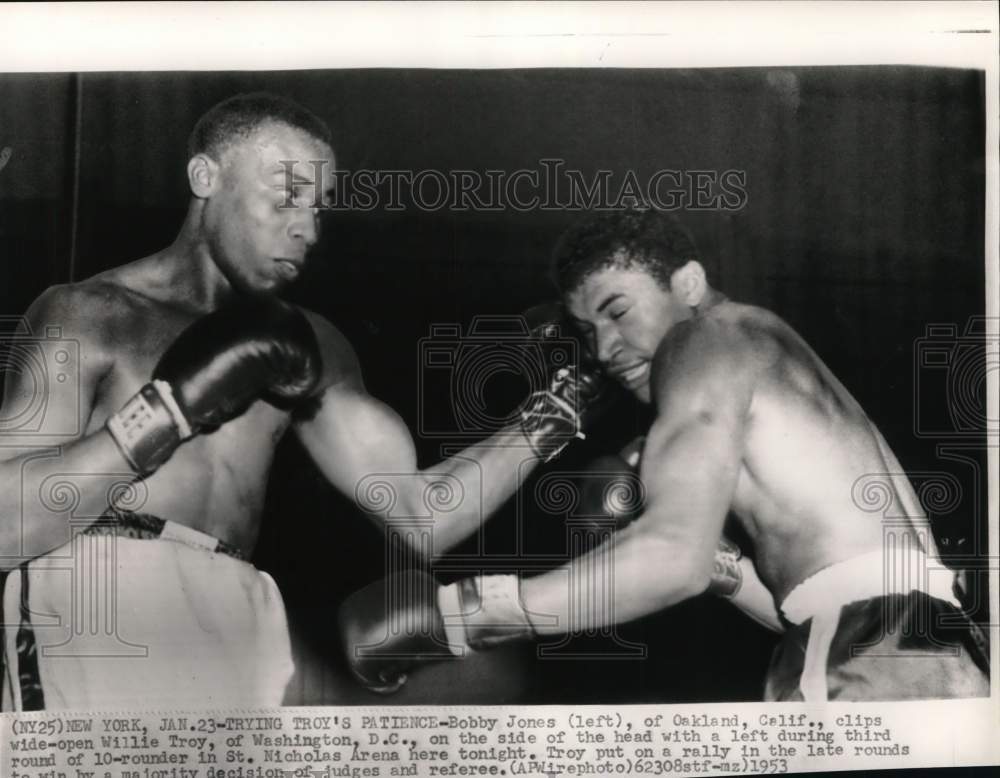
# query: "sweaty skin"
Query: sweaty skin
805,441
248,230
748,420
235,238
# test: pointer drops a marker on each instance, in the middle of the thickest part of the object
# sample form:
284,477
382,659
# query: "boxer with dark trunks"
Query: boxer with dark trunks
189,371
749,422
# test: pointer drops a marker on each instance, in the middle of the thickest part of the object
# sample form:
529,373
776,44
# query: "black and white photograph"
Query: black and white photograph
481,383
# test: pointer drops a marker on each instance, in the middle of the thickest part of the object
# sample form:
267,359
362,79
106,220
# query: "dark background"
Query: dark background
863,225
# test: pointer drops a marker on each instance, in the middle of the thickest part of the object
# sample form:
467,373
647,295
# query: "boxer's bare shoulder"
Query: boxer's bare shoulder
114,307
803,440
84,310
117,314
713,358
733,345
85,313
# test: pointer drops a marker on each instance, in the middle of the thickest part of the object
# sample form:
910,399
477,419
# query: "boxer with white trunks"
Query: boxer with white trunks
188,370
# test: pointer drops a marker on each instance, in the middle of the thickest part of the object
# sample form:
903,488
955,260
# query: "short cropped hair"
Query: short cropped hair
646,238
237,118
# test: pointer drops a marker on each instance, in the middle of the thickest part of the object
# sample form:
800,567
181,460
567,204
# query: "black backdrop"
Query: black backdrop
863,225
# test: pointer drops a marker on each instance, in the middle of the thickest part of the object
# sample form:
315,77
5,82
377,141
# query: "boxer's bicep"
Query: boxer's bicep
355,438
690,474
358,442
690,465
694,450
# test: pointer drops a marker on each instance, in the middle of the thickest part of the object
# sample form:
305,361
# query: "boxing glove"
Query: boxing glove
611,493
406,619
253,349
727,576
576,391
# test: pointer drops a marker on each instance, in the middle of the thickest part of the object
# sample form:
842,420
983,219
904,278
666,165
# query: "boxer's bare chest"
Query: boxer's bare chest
806,443
215,482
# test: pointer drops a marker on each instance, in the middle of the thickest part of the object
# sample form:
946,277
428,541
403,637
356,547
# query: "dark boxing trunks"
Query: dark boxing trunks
899,645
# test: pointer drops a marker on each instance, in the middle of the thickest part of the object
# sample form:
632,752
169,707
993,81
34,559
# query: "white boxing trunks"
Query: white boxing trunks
142,613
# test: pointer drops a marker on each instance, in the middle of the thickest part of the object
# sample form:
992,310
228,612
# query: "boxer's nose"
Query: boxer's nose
305,226
608,344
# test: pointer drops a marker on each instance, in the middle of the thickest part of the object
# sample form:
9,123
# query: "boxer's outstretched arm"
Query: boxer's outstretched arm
355,438
36,451
690,467
365,450
703,384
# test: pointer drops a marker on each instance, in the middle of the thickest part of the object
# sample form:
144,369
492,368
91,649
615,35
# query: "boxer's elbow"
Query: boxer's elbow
414,511
690,577
697,580
677,561
449,510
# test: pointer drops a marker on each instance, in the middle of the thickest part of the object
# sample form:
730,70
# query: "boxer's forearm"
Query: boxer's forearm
637,574
42,490
366,450
489,472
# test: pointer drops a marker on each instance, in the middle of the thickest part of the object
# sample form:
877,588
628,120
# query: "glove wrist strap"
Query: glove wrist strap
727,578
549,423
484,612
149,427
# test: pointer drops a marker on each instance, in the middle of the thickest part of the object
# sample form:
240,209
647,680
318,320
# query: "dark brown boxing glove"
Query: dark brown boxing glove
257,348
612,493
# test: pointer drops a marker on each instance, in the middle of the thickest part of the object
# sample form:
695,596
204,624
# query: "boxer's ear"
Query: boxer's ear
689,284
203,173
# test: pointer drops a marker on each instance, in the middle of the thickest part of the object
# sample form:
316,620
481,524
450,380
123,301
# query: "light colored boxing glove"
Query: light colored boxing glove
575,396
405,620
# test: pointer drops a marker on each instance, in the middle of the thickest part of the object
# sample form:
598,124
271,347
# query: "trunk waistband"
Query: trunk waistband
863,577
145,526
